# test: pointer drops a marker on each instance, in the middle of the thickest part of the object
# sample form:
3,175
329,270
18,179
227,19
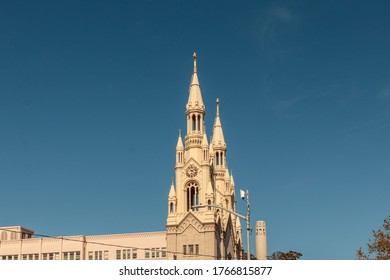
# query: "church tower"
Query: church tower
202,178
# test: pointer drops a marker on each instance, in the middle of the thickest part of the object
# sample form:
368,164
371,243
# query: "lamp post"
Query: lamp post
244,196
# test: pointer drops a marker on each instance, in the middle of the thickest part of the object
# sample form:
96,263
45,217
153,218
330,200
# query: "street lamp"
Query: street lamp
245,196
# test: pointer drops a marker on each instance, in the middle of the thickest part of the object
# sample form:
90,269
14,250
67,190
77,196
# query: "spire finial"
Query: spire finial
194,55
217,107
172,180
179,132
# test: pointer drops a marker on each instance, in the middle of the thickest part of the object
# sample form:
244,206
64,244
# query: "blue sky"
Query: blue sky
93,93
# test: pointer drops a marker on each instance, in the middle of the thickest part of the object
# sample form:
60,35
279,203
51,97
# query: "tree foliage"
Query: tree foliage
379,246
290,255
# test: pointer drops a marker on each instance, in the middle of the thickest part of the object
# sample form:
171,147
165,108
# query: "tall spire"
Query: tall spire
218,139
195,100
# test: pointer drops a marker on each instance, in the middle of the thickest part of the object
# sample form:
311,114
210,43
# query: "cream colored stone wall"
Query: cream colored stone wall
140,246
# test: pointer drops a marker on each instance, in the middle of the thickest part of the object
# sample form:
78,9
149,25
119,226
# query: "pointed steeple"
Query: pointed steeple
238,223
218,139
172,191
232,179
209,190
205,143
195,100
211,150
179,145
179,152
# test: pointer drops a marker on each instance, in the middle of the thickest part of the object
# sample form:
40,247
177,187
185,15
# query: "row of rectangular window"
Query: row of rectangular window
13,235
45,256
155,252
9,257
98,255
192,249
71,256
126,254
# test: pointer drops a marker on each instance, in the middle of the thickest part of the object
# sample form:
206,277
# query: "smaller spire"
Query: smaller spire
172,191
179,144
231,178
238,223
211,150
205,143
218,139
209,190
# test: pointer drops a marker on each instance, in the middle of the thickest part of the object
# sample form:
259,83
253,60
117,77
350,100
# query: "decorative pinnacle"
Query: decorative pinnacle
217,107
179,132
194,55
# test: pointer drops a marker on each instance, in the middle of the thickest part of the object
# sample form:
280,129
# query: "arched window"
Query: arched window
209,203
198,122
180,157
171,208
217,158
192,195
221,161
193,123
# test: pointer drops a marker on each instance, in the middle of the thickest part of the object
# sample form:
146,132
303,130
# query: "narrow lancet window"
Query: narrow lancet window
171,208
193,123
192,196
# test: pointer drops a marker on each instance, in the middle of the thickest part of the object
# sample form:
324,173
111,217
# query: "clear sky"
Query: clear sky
93,93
